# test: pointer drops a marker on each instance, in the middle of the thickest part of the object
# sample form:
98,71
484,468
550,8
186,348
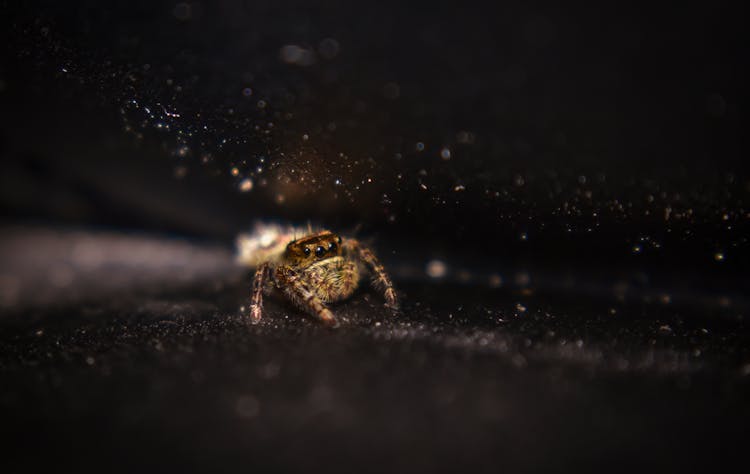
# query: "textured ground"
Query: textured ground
167,374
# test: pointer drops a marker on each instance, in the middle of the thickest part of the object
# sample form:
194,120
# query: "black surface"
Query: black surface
166,374
592,220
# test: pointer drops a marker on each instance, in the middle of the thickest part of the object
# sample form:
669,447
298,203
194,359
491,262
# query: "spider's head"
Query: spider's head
314,247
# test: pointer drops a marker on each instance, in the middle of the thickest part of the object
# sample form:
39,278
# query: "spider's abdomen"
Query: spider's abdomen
332,279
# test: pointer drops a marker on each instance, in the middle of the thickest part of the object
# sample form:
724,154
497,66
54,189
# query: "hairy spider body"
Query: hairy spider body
316,269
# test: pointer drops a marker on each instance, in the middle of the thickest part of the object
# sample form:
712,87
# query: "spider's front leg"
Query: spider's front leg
259,284
380,279
299,292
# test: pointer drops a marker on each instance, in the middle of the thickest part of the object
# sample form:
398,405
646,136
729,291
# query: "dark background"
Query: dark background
578,172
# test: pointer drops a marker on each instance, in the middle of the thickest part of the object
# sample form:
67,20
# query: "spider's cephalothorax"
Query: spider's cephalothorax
317,269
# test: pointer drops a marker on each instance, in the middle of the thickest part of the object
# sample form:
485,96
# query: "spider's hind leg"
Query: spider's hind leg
259,285
380,279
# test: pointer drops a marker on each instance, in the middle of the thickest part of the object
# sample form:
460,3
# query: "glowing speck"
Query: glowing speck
235,171
436,269
246,185
445,154
464,137
169,114
637,249
665,329
180,172
719,257
523,279
291,53
294,54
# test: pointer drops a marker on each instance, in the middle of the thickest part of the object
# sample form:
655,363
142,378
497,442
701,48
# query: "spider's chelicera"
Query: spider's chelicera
310,271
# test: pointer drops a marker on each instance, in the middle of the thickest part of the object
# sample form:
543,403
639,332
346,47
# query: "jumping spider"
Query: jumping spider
310,271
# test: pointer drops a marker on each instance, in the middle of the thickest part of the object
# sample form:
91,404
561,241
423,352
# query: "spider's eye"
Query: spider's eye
306,250
339,239
332,247
320,251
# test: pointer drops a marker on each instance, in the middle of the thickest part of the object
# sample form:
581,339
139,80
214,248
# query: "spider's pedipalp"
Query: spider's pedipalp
289,282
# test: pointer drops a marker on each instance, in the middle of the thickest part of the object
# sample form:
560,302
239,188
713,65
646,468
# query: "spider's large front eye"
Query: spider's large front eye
306,250
320,251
